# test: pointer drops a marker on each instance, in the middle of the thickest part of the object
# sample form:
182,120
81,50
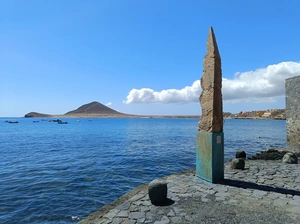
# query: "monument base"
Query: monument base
210,156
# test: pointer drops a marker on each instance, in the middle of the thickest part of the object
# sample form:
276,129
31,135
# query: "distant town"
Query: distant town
273,114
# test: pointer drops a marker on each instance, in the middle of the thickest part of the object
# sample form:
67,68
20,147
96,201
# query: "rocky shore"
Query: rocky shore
271,154
266,191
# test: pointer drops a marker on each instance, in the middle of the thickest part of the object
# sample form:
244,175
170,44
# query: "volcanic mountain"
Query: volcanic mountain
93,109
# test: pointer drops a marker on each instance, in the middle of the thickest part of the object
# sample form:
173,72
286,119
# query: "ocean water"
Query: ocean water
60,173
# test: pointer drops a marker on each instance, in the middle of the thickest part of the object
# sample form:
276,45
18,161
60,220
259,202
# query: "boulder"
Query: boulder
238,164
157,190
240,154
290,158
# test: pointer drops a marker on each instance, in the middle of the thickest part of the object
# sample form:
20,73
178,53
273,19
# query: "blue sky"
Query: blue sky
143,57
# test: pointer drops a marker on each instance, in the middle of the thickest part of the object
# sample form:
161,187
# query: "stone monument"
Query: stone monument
292,95
210,136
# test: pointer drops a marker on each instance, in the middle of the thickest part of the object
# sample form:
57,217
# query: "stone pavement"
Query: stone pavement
265,192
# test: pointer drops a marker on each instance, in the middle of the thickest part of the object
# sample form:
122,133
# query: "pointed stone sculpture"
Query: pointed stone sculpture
210,137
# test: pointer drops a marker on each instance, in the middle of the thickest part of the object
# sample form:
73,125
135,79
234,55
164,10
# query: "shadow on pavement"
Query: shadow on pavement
244,184
167,202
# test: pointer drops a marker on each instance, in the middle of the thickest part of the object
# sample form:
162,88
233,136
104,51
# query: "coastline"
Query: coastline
147,116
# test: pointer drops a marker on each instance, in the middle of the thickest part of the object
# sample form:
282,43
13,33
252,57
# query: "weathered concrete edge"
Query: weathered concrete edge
106,208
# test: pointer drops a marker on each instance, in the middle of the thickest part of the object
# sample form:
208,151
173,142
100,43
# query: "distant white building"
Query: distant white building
266,114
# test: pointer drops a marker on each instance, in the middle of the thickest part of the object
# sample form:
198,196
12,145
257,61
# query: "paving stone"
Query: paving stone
186,195
198,194
129,222
137,197
294,202
220,188
220,199
222,194
210,191
294,209
145,203
272,196
175,189
161,222
233,201
117,221
280,202
189,218
142,220
205,199
296,197
171,214
137,215
124,206
133,208
176,220
165,218
122,214
145,208
112,213
150,217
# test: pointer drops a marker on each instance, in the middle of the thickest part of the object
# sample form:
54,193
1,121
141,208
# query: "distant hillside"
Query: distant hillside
94,108
35,114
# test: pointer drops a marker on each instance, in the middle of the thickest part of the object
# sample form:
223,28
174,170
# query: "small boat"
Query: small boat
36,121
13,122
62,122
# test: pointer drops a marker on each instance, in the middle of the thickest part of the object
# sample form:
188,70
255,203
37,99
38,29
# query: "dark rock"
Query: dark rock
290,158
269,154
271,150
157,191
237,164
240,154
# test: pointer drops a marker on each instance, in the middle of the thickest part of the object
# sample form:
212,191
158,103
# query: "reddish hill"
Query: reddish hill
94,108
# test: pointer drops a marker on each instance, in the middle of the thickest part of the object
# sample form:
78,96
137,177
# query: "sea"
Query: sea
60,173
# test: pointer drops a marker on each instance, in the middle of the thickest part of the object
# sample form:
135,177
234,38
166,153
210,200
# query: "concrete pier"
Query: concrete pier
265,192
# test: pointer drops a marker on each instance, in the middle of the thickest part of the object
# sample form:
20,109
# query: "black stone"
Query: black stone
157,190
238,164
240,154
290,158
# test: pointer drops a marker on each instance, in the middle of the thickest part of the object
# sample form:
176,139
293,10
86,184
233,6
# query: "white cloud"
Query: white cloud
259,85
108,104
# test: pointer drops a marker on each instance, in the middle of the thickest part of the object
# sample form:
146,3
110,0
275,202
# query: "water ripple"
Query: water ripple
54,173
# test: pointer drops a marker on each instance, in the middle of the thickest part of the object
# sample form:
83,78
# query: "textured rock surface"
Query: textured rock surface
271,154
292,87
157,191
238,164
240,154
211,84
290,158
